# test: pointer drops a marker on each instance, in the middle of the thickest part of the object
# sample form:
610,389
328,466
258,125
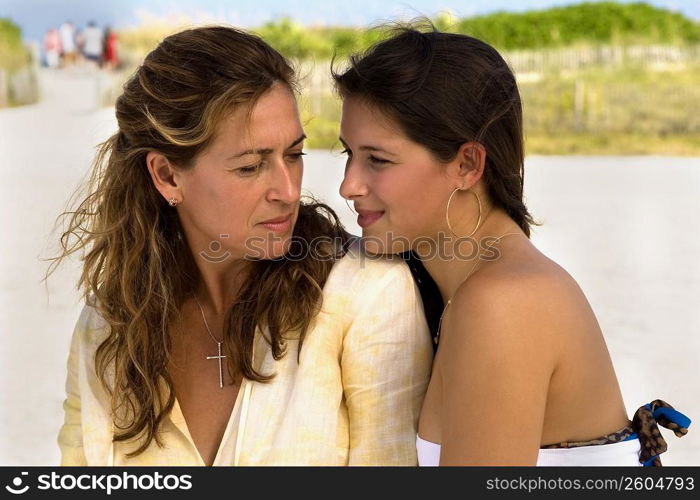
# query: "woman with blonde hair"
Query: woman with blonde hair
227,322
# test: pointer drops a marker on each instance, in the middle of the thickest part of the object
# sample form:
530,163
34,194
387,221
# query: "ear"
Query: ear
470,162
164,175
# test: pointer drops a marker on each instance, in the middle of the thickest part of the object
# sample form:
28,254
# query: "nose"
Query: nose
354,185
286,184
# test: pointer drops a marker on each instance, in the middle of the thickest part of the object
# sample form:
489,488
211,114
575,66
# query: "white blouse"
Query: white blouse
352,398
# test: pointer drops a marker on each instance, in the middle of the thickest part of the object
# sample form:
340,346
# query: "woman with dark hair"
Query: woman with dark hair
226,321
432,127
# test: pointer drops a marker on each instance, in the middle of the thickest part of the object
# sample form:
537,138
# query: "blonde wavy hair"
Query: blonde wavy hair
137,270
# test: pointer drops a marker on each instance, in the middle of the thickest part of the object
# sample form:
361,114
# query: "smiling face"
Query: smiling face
241,198
398,188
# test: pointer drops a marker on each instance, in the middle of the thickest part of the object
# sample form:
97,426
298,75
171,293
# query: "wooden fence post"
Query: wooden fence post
3,88
578,104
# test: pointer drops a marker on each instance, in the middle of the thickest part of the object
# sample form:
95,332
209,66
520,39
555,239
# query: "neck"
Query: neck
450,266
220,284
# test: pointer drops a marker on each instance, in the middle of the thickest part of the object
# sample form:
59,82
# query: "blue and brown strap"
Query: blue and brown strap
646,423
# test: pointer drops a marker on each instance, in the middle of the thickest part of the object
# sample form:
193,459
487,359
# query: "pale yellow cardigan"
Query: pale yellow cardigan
352,399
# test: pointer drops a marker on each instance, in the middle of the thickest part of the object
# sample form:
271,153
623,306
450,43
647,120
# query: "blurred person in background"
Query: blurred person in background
52,48
68,44
109,49
92,49
79,45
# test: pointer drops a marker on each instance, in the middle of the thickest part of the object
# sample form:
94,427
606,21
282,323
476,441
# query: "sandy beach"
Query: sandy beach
626,228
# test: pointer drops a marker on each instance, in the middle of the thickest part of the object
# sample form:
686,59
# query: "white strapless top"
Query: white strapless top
624,453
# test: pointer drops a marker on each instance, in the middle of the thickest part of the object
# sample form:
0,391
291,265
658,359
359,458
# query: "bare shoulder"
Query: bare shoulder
524,304
508,330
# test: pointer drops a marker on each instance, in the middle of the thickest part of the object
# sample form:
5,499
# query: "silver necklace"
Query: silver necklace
219,356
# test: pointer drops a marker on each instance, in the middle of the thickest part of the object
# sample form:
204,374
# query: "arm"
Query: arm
70,437
497,357
385,365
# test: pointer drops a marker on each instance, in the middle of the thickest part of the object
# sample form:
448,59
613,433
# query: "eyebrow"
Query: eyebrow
266,151
369,148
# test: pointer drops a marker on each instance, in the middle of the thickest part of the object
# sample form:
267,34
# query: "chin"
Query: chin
383,244
372,246
270,249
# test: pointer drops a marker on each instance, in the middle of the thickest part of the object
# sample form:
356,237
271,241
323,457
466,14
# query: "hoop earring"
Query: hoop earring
447,214
173,202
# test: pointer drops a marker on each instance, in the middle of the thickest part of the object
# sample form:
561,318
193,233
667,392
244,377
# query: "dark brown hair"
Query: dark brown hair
137,267
443,90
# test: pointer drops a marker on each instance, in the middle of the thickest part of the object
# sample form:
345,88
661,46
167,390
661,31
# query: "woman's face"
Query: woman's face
398,188
241,199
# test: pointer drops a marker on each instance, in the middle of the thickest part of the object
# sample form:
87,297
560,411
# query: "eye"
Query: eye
346,151
296,156
378,161
250,169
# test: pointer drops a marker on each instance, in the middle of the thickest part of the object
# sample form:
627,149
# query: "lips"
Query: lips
282,225
366,218
277,220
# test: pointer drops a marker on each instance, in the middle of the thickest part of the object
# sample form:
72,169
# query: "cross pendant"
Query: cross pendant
221,366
